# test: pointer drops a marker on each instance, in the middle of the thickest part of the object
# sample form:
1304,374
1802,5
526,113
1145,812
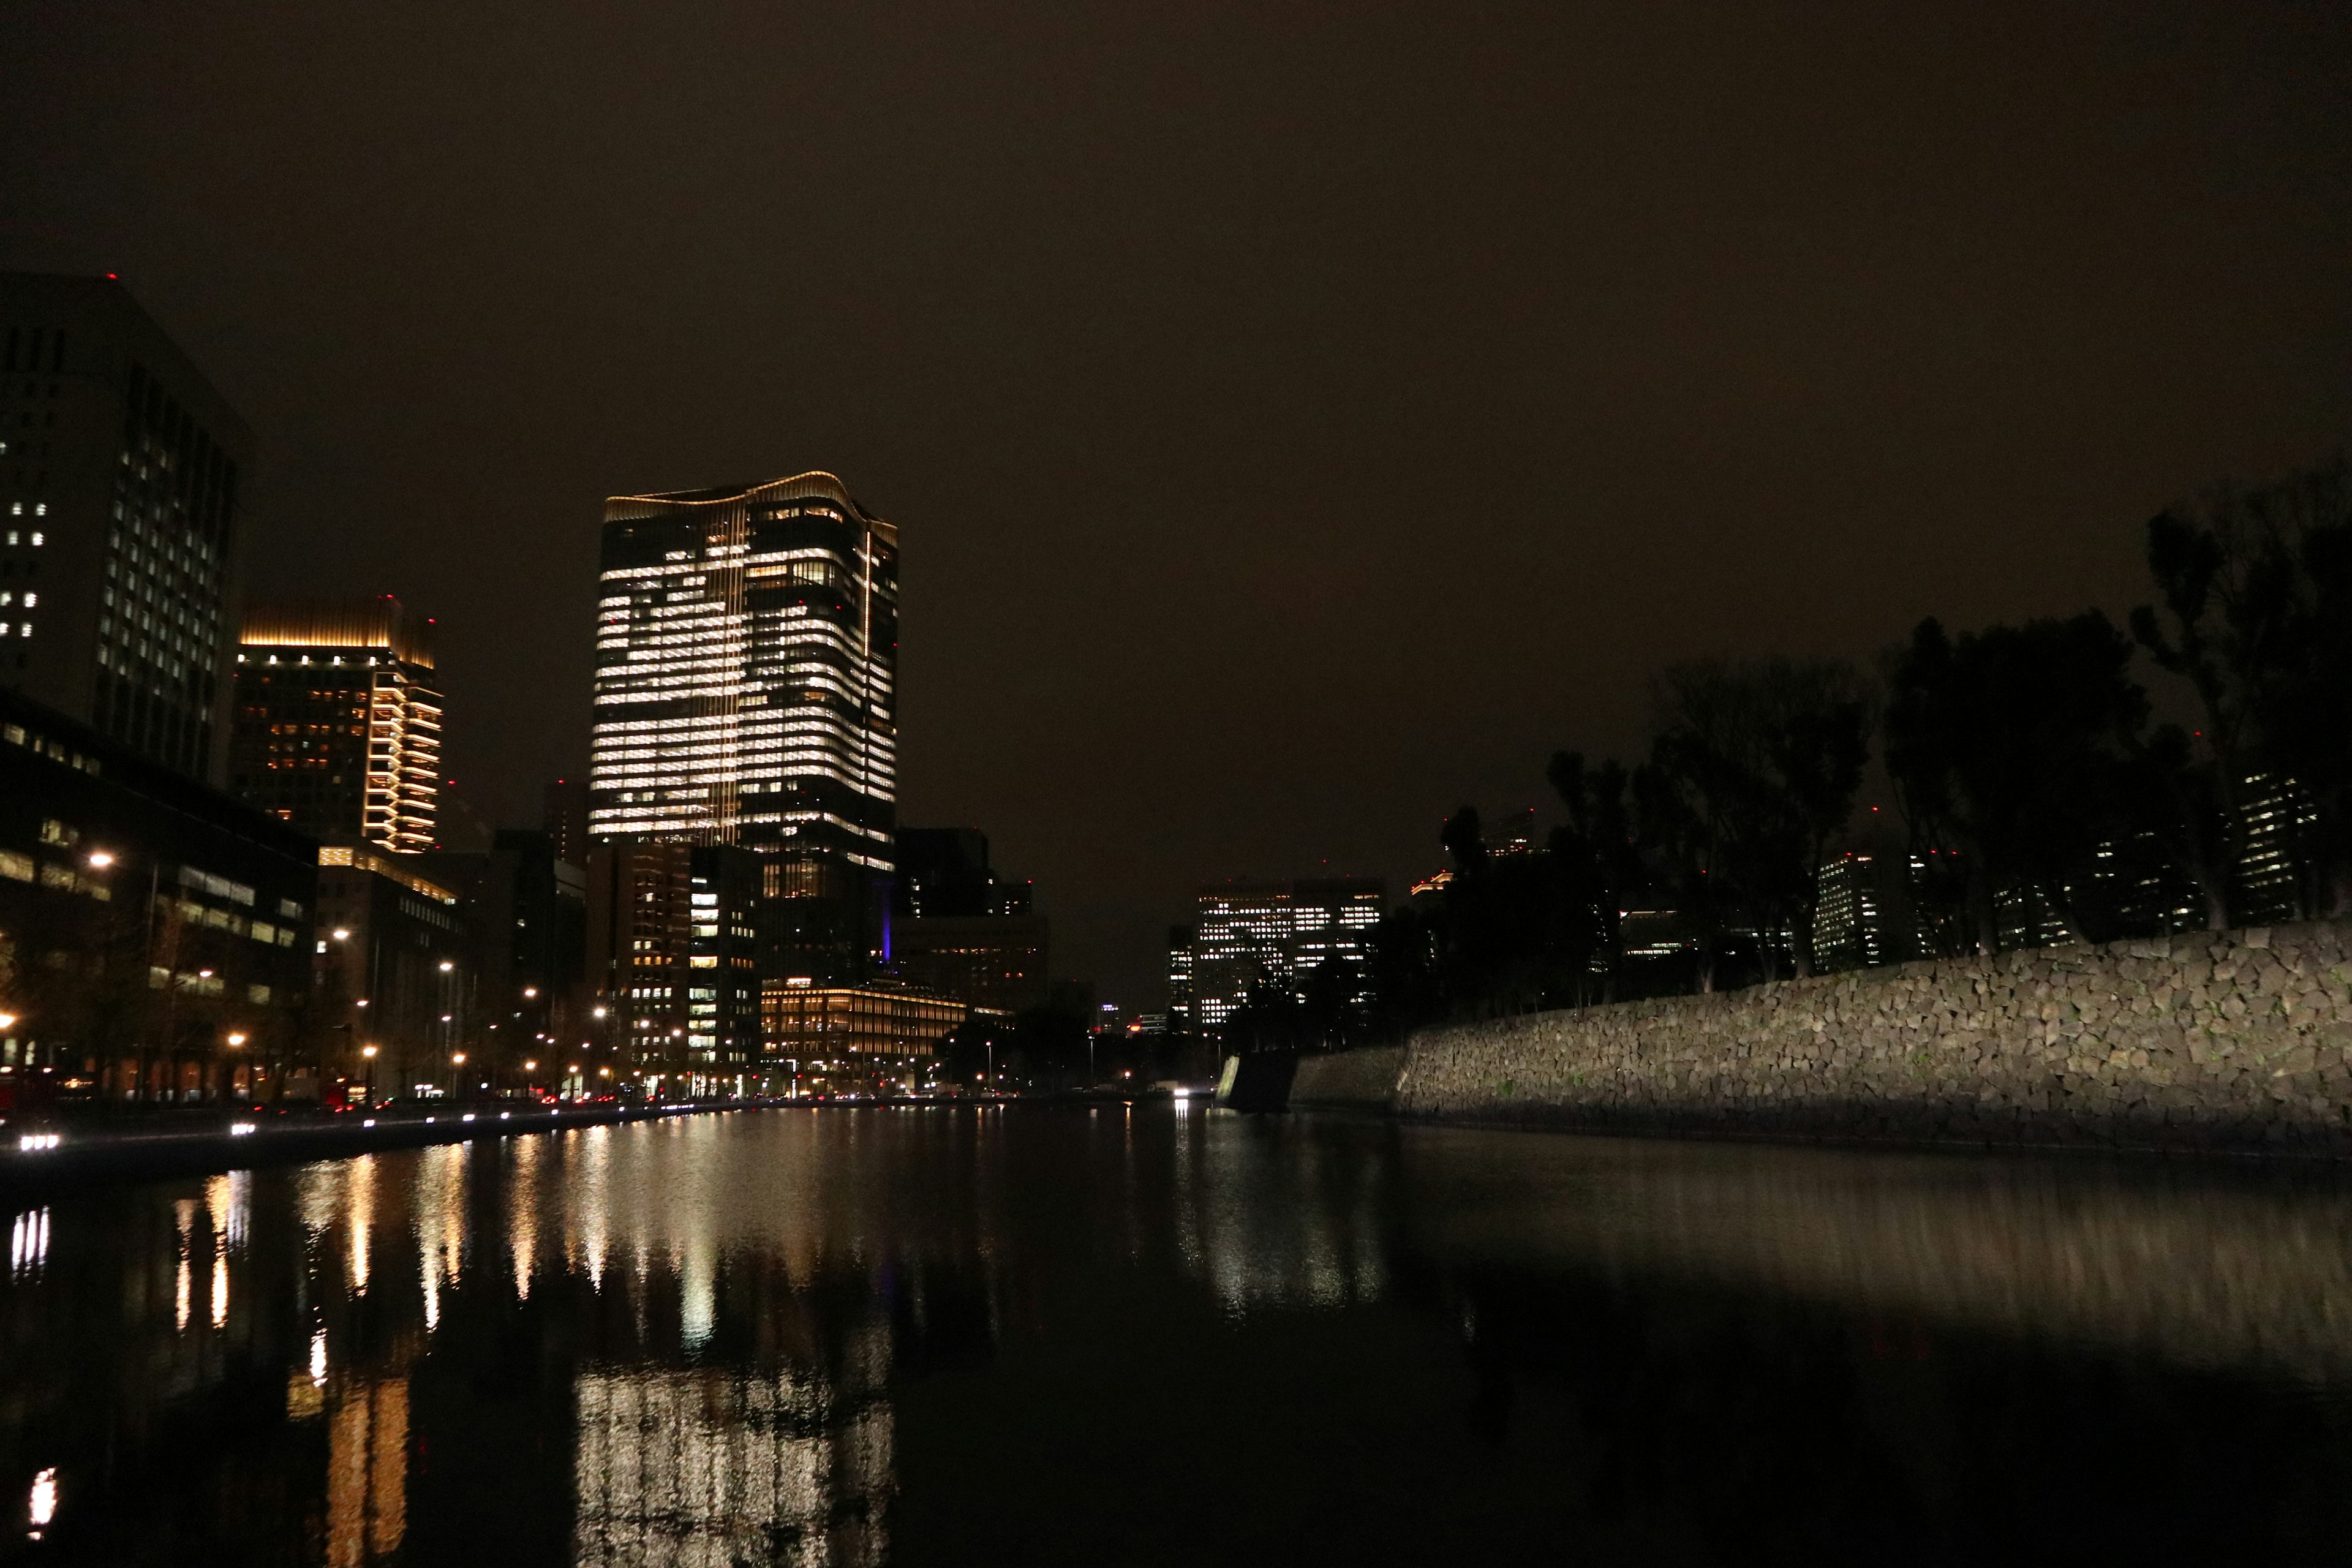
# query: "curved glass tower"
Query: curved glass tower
746,647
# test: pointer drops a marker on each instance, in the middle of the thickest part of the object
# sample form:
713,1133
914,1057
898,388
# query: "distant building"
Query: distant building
397,956
1862,913
336,725
123,474
673,944
529,910
1180,1001
854,1039
155,934
2280,818
565,819
1276,934
943,872
996,963
747,647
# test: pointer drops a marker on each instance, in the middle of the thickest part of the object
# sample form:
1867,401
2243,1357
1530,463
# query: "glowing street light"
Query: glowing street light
237,1039
100,859
341,933
368,1051
597,1012
8,1020
530,991
530,1067
447,965
458,1058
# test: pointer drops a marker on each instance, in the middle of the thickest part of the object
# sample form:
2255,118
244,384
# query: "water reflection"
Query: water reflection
842,1337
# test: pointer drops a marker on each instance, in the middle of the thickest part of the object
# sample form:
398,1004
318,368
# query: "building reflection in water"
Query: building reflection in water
1270,1219
694,1467
367,1471
714,1340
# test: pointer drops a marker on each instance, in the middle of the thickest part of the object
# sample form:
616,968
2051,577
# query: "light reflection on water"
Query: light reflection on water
844,1337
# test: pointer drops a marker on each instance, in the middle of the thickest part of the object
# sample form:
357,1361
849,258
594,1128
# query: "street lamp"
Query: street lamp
235,1039
100,859
369,1052
447,965
341,933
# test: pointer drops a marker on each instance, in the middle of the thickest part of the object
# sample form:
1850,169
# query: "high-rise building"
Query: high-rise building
121,473
1276,934
1862,911
747,648
529,915
959,929
673,950
943,872
2278,820
1182,1006
565,819
337,721
992,963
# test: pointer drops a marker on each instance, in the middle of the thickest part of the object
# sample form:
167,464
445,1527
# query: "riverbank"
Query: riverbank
2237,1041
46,1158
41,1159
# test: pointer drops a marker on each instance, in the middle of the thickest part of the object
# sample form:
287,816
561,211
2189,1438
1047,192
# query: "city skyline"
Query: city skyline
1303,437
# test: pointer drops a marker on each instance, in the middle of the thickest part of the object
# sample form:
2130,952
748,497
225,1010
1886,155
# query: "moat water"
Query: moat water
1146,1334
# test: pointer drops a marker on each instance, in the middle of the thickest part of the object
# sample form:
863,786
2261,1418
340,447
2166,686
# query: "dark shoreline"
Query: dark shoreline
97,1154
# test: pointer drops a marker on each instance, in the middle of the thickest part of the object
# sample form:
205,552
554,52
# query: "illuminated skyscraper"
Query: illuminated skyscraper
336,722
1275,934
747,647
121,473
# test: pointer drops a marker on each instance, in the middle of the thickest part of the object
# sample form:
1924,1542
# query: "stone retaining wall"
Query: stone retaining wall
2211,1040
1350,1080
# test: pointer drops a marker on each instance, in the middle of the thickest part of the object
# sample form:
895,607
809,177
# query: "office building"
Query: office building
156,935
993,964
673,955
943,872
746,653
565,818
2278,821
1276,934
959,928
875,1037
121,478
336,722
1182,1009
397,976
1863,912
529,911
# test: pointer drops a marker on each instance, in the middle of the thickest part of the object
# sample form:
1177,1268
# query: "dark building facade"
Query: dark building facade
746,659
996,963
565,818
944,872
674,944
528,908
122,478
155,934
396,988
336,722
959,929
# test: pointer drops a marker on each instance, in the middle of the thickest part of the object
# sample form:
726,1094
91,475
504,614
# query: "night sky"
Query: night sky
1300,419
